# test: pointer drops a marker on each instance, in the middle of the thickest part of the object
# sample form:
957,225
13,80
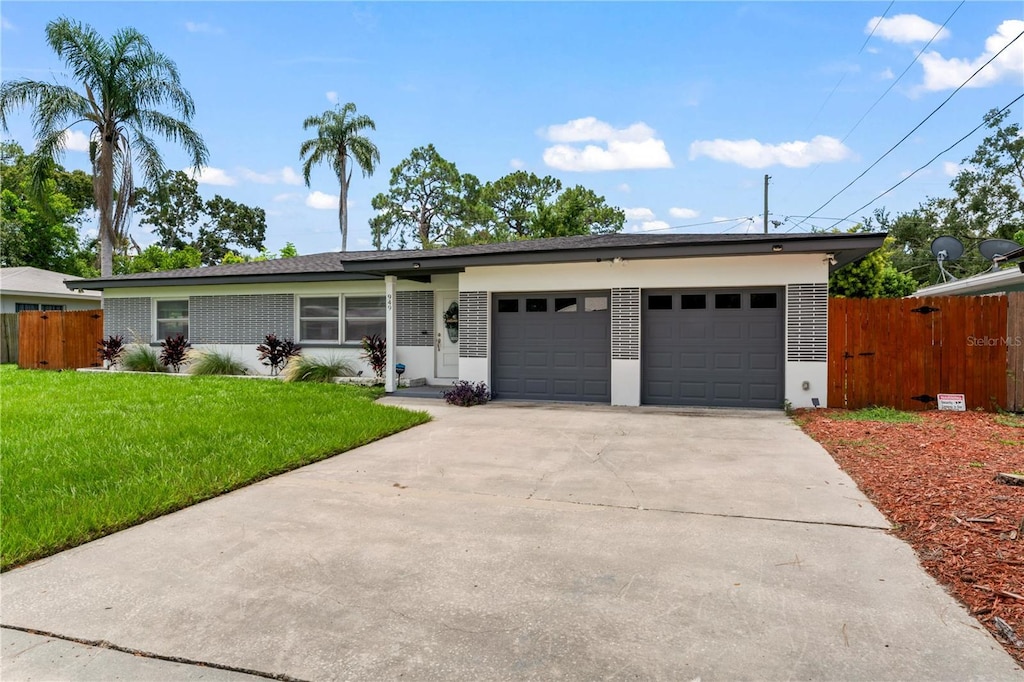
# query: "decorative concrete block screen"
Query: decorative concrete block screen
807,322
414,318
472,324
130,318
240,318
626,324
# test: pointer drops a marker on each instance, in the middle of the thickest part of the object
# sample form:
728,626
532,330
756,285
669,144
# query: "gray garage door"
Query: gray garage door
720,347
552,346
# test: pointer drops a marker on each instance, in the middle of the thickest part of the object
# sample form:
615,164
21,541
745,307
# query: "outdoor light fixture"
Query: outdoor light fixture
416,266
776,248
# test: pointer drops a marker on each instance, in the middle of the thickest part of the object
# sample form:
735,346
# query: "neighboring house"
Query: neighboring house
735,320
26,288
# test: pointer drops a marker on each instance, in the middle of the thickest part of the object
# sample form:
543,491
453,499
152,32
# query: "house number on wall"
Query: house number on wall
389,302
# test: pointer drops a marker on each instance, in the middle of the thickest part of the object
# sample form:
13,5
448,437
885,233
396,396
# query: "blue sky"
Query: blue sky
674,111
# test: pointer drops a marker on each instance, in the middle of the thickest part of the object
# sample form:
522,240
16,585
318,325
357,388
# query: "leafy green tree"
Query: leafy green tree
155,258
229,223
423,204
339,139
287,251
515,201
123,82
579,211
873,276
42,231
172,208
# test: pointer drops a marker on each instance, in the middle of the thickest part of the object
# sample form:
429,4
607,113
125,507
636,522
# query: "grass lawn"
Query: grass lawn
84,454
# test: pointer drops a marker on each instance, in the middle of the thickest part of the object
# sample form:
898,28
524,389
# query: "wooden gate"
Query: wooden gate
903,352
59,340
8,337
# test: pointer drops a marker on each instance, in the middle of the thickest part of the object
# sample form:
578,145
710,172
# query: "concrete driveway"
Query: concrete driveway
512,542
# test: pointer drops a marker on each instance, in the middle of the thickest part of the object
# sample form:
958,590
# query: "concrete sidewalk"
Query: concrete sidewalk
514,542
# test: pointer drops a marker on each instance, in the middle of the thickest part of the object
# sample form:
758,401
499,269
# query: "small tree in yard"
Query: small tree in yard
110,349
174,352
375,352
275,353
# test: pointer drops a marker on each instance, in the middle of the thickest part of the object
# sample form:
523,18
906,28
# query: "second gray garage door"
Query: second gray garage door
718,348
553,346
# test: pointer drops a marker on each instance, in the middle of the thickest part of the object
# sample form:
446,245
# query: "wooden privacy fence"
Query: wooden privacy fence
59,340
8,337
903,352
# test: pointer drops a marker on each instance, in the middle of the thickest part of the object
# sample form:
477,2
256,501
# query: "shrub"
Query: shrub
306,368
212,362
142,359
110,349
174,351
275,352
375,351
467,394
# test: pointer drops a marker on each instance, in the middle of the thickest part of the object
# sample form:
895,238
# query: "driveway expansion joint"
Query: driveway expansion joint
103,644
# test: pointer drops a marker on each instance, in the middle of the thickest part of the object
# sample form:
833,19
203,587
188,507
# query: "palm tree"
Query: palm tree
123,82
338,140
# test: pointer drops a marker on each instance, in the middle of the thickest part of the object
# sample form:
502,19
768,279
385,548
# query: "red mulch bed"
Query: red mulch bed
929,478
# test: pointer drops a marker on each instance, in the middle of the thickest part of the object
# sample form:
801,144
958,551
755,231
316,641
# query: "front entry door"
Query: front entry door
446,351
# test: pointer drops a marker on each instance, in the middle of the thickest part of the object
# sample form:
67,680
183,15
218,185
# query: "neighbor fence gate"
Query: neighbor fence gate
59,340
903,352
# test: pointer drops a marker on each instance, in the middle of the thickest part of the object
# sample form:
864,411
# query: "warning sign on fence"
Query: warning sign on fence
954,402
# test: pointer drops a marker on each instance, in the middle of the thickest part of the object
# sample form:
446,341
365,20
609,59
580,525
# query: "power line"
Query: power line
710,222
915,128
877,24
921,168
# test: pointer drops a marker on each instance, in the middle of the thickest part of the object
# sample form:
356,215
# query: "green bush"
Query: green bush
141,358
212,362
305,368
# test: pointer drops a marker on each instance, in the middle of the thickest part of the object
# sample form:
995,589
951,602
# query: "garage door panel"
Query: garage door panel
559,349
727,352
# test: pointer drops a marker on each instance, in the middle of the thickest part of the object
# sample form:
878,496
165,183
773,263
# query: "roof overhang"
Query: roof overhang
73,293
844,249
100,284
1011,279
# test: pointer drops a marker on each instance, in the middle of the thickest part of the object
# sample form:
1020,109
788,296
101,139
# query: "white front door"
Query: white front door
446,351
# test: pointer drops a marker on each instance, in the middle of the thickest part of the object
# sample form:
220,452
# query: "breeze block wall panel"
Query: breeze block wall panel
807,322
472,324
129,318
414,318
626,324
240,318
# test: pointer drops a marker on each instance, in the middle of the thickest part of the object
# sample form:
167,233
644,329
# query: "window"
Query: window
171,318
565,305
728,301
319,318
364,316
18,307
693,302
53,306
764,300
508,305
536,305
659,302
593,304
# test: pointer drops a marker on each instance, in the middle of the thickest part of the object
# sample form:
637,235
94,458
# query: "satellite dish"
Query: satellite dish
991,249
946,249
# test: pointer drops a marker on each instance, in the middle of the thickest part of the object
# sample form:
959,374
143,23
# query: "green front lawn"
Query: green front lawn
84,454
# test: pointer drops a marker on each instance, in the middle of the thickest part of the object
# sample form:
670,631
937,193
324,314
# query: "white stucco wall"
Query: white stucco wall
773,270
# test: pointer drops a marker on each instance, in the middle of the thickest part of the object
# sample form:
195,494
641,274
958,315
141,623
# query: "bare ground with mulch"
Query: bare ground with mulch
934,480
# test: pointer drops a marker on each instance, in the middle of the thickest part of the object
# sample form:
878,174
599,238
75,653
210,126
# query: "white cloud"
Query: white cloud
76,141
649,225
286,175
640,213
332,96
951,168
754,154
208,175
887,74
905,28
517,163
624,148
323,201
6,24
286,196
202,27
624,187
684,213
945,74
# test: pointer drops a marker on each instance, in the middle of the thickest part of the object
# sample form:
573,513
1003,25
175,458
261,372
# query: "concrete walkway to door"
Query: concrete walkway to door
518,542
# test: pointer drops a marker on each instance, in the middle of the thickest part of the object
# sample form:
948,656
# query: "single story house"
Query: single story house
736,320
27,288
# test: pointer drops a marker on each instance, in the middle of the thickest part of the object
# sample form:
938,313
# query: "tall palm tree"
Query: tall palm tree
338,140
123,81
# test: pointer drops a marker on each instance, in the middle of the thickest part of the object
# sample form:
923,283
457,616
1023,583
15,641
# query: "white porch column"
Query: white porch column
390,333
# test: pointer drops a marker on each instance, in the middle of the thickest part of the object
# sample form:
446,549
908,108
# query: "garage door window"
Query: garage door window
728,301
536,305
659,303
565,305
593,304
693,302
508,306
764,300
